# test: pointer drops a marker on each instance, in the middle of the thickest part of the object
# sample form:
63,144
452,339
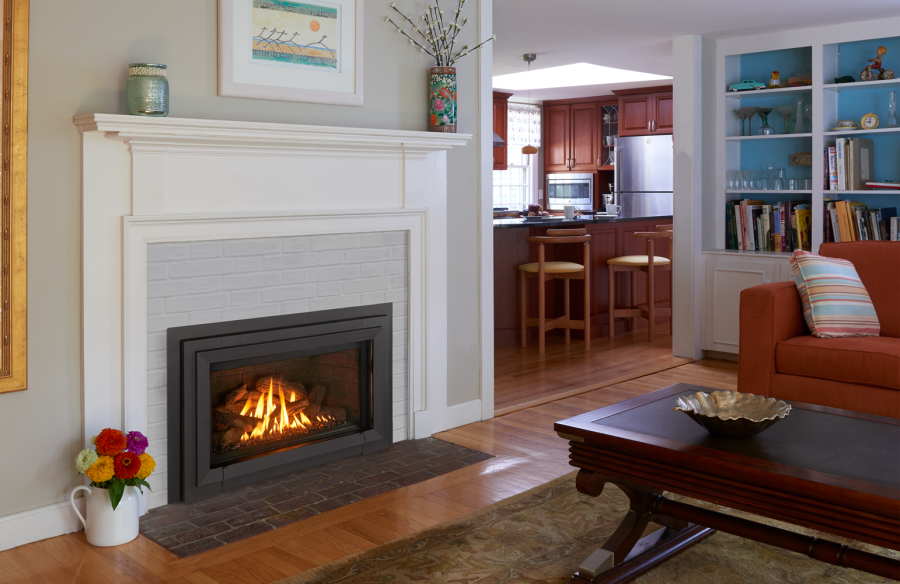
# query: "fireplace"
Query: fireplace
256,398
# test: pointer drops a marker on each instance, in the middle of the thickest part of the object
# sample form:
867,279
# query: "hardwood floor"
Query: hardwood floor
522,378
527,454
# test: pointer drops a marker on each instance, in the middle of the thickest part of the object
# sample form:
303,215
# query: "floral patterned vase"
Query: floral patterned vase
442,97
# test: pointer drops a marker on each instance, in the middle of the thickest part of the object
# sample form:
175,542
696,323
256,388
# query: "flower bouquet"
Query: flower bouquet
117,461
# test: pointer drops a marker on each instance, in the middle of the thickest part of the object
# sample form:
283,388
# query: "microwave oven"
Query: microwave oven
570,188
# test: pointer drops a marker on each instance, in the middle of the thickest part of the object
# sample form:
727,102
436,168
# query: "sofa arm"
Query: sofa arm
770,313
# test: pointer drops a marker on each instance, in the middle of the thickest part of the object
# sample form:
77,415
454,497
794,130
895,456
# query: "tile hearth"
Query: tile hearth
191,528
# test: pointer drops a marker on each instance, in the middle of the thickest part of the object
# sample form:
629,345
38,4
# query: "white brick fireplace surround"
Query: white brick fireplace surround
179,216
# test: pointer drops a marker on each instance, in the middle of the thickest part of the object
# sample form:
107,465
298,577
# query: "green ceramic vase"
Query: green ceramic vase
147,90
442,98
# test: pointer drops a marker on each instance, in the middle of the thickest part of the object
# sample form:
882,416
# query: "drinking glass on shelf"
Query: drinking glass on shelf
755,179
806,183
793,184
799,126
786,112
777,182
731,180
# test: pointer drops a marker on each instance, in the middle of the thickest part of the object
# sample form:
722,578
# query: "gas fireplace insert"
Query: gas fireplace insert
256,398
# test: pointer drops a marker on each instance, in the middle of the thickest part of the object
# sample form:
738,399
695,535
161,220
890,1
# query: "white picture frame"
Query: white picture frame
290,64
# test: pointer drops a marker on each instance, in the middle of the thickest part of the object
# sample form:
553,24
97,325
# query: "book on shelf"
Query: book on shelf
753,225
859,222
852,167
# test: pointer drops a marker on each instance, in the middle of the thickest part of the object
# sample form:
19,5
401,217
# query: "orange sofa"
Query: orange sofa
779,358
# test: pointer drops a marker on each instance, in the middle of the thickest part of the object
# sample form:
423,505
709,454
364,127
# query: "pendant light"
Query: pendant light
528,148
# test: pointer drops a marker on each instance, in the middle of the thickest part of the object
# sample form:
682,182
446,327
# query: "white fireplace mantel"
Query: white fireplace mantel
147,180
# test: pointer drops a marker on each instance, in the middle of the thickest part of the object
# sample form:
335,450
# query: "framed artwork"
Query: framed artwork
289,50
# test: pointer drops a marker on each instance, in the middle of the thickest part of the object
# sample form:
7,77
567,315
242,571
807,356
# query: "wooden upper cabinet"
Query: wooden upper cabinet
585,138
501,103
557,137
662,113
634,114
645,112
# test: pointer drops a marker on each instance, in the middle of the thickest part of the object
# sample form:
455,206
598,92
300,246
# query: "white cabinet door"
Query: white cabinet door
726,276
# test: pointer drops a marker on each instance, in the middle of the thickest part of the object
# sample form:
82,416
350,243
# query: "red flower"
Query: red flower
127,465
110,442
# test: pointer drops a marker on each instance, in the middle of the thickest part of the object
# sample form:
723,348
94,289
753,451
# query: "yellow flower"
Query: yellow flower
147,466
102,470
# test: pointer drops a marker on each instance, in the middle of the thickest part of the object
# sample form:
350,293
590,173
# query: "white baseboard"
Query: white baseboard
430,422
41,523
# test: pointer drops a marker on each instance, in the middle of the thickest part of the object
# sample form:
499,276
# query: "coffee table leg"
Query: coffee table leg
626,555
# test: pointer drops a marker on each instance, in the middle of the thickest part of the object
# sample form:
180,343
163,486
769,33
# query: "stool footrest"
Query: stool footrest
560,322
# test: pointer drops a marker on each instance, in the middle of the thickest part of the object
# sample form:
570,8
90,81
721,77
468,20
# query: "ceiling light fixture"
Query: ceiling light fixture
528,148
573,75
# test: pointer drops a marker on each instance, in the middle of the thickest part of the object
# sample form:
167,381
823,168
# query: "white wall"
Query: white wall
79,55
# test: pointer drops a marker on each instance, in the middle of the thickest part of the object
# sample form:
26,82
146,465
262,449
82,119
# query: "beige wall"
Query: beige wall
78,65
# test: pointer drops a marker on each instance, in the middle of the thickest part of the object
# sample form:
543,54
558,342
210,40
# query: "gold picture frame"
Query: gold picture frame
14,208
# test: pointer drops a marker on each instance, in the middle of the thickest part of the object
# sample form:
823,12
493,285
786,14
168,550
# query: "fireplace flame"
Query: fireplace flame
273,419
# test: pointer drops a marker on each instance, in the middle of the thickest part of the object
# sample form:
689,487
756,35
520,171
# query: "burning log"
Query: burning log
236,421
228,440
315,407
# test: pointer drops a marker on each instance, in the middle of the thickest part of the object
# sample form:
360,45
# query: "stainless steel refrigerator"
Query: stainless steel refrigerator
644,175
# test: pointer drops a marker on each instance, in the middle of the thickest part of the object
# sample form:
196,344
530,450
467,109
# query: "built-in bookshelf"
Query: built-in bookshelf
822,104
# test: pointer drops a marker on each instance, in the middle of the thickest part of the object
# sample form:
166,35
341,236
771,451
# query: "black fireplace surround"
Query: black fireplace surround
200,355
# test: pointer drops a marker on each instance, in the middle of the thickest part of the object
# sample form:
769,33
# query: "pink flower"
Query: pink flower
439,105
137,442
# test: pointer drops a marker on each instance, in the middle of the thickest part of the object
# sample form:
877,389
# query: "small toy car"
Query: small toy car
747,84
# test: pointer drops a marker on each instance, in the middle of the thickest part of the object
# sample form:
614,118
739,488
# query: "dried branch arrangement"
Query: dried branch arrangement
436,36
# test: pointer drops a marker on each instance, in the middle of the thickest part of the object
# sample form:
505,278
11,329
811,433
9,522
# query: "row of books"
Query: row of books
850,164
754,226
855,221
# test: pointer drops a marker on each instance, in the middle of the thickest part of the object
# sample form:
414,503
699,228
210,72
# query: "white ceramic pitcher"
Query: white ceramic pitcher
105,526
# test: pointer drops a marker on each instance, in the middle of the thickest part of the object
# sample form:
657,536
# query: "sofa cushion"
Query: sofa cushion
878,265
861,360
835,301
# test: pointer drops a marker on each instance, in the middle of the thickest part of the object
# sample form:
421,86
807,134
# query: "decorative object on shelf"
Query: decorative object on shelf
438,39
868,75
765,129
844,79
528,148
786,112
743,113
869,121
116,465
731,414
801,80
799,126
747,85
775,80
308,51
801,159
883,184
892,121
147,90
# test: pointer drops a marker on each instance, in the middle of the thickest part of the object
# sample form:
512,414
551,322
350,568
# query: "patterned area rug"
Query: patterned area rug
540,537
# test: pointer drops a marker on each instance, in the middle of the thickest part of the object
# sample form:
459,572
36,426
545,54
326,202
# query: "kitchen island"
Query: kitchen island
610,237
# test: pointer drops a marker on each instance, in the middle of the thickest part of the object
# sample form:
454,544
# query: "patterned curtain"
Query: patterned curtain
523,125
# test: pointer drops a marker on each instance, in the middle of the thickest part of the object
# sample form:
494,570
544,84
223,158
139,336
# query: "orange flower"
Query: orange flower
110,442
434,120
127,465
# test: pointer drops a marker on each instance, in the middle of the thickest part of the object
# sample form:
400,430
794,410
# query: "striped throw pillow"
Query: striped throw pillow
835,302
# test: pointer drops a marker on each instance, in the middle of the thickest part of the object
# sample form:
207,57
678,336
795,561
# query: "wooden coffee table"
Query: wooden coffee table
832,470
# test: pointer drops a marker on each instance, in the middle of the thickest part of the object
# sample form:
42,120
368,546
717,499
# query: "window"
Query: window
514,188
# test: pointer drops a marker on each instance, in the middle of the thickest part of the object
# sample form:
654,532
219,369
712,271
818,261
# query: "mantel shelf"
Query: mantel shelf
769,137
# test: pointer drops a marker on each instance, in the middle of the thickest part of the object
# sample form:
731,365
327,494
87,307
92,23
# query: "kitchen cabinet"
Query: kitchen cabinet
501,102
644,112
557,137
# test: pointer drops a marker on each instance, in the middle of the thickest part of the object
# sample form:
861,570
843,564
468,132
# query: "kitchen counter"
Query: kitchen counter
610,237
563,222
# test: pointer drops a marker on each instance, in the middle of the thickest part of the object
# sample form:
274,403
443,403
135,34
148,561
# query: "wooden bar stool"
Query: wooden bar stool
544,271
648,264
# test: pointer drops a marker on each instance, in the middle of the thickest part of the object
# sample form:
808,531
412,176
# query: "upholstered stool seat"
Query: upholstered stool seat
635,264
544,271
552,267
638,260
